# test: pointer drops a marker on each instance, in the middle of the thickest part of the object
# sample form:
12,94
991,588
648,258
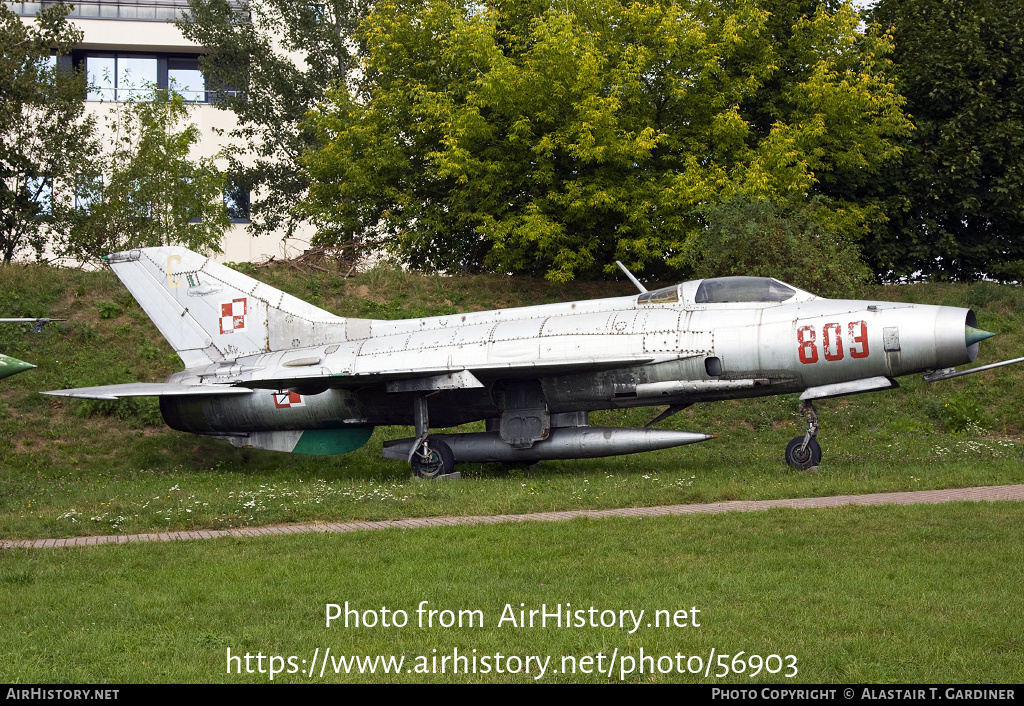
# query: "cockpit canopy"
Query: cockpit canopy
725,290
720,290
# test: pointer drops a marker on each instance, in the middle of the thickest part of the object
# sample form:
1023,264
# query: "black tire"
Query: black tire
808,458
438,460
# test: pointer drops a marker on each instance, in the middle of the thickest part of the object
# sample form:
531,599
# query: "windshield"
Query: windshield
666,295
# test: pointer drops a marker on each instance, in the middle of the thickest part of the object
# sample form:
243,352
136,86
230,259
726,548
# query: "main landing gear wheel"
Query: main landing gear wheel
434,458
804,458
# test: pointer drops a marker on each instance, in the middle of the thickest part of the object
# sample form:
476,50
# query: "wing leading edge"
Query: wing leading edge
147,389
395,380
347,380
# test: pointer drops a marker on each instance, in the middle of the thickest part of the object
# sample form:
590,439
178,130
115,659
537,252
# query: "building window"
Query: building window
101,73
184,77
121,77
136,76
145,10
124,76
39,190
159,10
88,192
236,199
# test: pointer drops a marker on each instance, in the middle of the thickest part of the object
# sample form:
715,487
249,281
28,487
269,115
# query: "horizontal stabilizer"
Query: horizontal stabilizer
147,389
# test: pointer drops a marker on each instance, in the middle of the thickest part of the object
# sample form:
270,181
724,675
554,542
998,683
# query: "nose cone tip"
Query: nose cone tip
973,335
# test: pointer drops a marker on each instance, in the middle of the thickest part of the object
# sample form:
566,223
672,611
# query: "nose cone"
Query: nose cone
12,366
974,335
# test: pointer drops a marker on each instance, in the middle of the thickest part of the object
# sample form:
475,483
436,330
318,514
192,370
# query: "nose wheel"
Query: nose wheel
804,452
799,455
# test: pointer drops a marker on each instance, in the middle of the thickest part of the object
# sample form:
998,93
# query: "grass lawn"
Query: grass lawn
879,594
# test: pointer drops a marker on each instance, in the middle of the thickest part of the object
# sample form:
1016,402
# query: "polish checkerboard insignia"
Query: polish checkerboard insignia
232,316
287,399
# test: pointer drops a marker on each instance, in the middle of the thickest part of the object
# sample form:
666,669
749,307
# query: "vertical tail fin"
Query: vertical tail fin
210,313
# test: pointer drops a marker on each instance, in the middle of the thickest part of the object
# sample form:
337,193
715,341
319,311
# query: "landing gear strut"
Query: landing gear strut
430,458
804,452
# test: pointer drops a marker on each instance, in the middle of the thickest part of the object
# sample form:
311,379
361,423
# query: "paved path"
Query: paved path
995,492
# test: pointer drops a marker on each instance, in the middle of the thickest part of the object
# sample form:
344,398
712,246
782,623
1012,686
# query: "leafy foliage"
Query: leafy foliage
45,138
801,246
954,202
520,138
151,191
269,62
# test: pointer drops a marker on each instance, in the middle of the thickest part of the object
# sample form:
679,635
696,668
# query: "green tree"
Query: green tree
804,245
518,138
45,138
269,62
149,190
955,202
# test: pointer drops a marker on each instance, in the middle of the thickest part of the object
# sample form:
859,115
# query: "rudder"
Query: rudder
210,313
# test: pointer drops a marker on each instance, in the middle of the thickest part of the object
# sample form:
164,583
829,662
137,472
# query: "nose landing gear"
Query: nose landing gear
804,452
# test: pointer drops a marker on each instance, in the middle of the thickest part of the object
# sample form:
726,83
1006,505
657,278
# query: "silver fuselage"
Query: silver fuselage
684,351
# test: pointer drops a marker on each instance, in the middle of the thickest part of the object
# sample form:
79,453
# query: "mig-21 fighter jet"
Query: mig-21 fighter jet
268,371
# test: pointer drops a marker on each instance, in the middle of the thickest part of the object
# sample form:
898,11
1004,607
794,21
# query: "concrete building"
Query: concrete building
129,44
